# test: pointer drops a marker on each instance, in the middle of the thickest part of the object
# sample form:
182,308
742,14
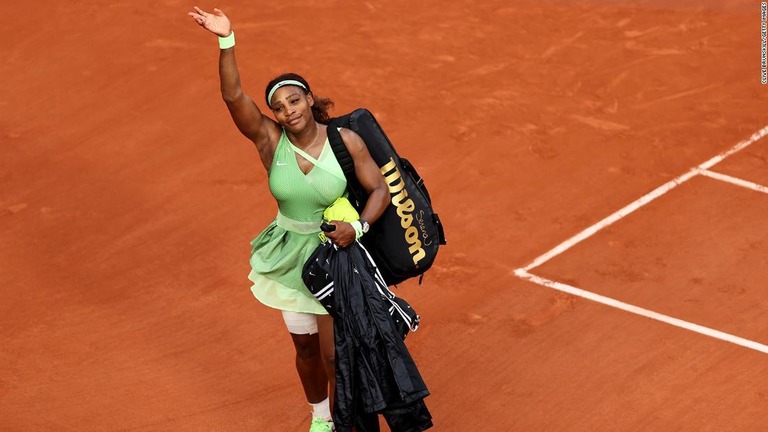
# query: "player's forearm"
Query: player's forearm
229,75
377,202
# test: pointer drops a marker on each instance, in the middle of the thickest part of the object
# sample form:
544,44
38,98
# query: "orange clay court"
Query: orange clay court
601,168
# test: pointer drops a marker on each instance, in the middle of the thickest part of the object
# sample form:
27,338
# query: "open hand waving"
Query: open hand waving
216,22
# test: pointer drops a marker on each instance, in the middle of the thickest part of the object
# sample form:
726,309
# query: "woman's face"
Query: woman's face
292,107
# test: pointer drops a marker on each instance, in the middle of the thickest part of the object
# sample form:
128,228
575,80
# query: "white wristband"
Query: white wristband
358,228
227,42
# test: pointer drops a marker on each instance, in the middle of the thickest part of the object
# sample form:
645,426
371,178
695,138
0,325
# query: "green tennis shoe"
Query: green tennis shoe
320,425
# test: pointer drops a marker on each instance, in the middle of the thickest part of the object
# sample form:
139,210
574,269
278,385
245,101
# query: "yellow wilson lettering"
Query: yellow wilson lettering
405,207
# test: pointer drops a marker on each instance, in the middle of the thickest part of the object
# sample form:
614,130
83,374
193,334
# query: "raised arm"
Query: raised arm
263,131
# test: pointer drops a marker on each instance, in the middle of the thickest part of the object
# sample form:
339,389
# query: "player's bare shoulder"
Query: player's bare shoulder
352,140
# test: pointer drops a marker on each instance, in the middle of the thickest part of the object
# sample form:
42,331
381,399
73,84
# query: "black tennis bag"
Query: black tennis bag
404,241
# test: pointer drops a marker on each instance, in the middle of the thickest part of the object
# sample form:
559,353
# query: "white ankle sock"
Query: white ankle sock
322,410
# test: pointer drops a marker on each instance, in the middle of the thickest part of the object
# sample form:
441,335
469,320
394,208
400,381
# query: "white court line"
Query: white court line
645,199
734,180
642,312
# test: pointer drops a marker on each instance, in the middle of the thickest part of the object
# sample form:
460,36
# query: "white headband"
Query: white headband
283,84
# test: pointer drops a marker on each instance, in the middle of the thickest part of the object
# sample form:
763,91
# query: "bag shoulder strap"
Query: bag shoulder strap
341,152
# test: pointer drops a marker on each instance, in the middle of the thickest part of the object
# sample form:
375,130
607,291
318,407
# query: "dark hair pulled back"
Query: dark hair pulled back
321,106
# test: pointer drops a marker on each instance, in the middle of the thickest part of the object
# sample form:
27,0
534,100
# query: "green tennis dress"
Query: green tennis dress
279,252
